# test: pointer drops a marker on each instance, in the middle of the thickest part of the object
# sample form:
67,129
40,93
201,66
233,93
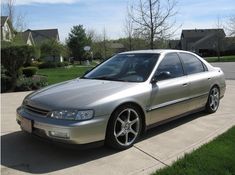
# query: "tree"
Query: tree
17,19
76,42
52,48
153,18
104,43
231,26
129,29
219,37
91,35
9,7
13,58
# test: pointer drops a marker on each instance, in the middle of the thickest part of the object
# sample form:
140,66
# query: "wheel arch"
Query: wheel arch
138,106
215,85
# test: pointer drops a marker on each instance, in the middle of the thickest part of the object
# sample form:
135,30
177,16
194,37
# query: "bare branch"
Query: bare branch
18,20
231,26
153,18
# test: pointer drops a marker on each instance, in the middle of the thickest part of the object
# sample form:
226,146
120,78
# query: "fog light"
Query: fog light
58,134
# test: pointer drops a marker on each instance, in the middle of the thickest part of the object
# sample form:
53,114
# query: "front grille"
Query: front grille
36,110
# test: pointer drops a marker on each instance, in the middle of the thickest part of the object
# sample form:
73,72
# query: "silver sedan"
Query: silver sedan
122,97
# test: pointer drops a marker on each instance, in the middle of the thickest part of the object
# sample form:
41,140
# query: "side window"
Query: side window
192,64
170,67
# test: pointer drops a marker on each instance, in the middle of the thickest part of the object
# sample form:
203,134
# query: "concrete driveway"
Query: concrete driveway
228,69
160,146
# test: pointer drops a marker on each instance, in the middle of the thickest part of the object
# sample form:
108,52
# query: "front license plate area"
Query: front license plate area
26,125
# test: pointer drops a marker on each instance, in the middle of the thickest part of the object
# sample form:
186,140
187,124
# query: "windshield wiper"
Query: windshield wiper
105,78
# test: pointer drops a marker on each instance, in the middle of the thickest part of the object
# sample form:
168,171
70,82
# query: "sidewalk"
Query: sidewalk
160,146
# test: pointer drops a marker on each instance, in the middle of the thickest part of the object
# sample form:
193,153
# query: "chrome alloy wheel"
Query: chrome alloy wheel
214,99
127,127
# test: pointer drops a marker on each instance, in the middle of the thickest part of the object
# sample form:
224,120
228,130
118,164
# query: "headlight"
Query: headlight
72,114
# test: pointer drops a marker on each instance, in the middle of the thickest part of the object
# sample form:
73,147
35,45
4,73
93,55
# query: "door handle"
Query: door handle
185,84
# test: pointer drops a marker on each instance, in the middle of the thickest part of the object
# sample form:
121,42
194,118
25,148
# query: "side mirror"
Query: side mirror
161,76
154,79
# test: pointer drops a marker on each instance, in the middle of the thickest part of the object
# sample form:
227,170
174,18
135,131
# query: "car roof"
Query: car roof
158,51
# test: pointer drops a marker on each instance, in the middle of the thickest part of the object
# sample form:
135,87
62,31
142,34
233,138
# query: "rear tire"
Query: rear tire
124,127
213,100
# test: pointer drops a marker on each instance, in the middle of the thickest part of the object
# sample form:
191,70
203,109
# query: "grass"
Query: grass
216,157
56,75
222,59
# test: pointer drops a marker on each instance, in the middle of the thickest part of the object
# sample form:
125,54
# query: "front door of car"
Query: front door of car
199,80
169,90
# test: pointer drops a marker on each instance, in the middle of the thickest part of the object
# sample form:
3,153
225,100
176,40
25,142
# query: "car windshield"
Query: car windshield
125,67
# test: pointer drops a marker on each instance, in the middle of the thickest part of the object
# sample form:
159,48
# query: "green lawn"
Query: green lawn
56,75
222,59
214,158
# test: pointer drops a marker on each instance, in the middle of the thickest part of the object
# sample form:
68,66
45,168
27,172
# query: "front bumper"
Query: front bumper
74,132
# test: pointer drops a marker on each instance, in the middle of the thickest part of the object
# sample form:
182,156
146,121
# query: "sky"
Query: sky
110,14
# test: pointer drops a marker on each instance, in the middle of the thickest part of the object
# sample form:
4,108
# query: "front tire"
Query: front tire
213,100
124,127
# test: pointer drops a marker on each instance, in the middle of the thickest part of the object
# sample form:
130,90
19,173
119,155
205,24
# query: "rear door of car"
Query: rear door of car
199,80
168,94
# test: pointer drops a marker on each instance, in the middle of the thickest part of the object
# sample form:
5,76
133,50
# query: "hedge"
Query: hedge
51,64
13,58
29,71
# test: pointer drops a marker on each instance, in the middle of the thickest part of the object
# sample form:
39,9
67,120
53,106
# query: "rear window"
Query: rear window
192,64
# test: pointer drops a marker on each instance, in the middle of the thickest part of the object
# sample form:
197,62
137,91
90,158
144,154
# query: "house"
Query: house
40,36
7,32
44,35
174,44
229,45
26,38
203,41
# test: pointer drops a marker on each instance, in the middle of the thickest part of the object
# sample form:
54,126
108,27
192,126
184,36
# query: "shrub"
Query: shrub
47,65
50,64
66,63
5,80
5,83
31,83
59,64
13,57
36,63
29,71
62,64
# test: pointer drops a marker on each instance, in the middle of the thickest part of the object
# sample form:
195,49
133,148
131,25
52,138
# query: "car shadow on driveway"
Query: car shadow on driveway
25,153
31,155
172,124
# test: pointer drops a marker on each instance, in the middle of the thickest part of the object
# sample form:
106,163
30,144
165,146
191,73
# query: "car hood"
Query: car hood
78,93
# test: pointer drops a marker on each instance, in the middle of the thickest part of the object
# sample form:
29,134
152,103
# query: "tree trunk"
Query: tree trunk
130,43
151,25
218,47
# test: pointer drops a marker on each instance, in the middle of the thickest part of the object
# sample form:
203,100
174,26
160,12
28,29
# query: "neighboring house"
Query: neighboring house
203,41
26,38
174,44
44,35
229,45
7,33
40,36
